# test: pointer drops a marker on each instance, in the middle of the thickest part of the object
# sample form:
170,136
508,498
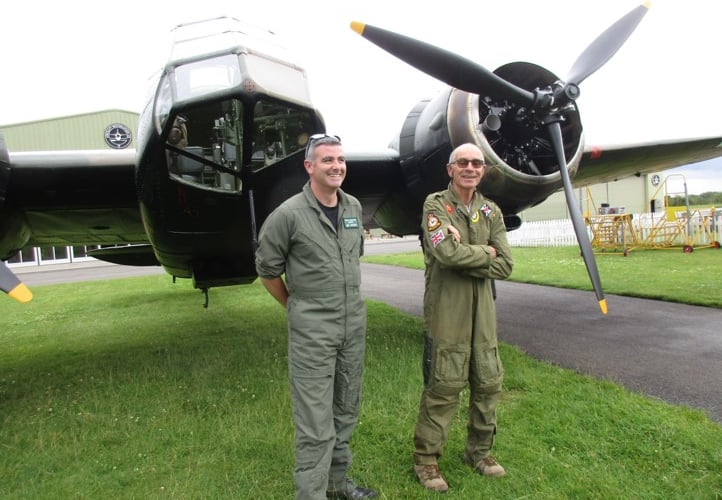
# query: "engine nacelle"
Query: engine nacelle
522,170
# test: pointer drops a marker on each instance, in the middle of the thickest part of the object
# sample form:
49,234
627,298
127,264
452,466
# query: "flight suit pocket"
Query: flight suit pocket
452,364
490,368
347,387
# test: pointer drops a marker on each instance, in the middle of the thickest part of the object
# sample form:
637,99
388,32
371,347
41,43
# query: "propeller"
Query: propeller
606,45
555,131
450,68
10,284
548,103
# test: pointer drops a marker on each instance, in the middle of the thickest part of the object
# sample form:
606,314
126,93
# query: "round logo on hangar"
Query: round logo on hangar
118,136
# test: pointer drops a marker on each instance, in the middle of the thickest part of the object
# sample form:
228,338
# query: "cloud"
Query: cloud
700,177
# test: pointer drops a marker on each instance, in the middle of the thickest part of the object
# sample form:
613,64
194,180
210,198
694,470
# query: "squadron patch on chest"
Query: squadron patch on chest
475,217
437,238
432,222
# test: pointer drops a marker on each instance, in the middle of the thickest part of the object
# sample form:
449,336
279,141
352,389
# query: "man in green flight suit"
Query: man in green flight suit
316,238
465,248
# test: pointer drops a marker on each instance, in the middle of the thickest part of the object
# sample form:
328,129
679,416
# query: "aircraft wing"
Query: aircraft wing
69,198
606,164
65,198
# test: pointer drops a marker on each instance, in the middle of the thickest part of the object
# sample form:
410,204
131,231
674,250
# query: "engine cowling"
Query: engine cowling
522,170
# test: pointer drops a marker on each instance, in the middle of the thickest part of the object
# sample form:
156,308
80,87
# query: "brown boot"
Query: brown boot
430,477
488,466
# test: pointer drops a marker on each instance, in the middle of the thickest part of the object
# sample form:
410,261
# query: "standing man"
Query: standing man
465,248
316,238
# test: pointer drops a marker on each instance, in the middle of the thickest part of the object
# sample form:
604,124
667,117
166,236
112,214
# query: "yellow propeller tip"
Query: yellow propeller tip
358,27
21,293
603,306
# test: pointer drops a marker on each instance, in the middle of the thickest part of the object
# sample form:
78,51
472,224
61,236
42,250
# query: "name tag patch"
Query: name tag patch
351,223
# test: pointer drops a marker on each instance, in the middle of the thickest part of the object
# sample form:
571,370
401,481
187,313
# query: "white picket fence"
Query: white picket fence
704,228
544,233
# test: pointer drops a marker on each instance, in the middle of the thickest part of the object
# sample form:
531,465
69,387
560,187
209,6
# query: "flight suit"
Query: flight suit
460,322
326,330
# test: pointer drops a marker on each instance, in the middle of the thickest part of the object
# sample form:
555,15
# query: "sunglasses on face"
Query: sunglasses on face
463,162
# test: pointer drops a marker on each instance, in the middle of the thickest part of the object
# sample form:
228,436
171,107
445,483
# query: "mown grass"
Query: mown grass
670,275
129,388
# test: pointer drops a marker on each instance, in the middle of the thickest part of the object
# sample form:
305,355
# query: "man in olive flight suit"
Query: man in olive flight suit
316,238
465,248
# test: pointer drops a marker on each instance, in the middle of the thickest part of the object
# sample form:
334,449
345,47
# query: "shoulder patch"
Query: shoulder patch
437,238
432,222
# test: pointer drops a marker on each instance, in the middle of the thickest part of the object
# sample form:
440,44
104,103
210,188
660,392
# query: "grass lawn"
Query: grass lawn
129,388
694,278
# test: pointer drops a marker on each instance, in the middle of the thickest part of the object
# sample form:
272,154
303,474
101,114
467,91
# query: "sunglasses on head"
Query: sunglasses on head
333,139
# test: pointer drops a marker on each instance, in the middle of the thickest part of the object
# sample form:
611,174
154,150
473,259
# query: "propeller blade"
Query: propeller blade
580,229
606,45
10,284
452,69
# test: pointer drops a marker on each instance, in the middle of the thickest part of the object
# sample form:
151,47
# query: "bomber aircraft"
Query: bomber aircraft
221,144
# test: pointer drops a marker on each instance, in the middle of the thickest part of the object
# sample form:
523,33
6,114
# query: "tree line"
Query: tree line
709,199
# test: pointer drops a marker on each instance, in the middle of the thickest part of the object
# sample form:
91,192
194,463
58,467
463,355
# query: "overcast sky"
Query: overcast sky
65,58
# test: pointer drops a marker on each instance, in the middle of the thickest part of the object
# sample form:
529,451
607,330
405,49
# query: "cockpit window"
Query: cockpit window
209,145
278,131
206,145
206,77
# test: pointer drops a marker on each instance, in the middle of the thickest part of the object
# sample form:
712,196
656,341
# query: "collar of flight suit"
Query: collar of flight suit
476,201
313,201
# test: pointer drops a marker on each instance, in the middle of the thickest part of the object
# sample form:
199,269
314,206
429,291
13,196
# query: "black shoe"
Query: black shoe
353,494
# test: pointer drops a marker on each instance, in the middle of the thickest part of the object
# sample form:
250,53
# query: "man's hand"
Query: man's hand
457,236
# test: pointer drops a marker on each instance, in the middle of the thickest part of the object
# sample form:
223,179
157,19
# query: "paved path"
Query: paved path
666,350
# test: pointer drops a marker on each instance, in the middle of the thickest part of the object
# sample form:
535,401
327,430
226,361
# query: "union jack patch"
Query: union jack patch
437,238
485,209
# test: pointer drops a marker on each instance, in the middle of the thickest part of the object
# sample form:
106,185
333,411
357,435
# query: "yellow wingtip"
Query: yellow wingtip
603,306
358,27
21,293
